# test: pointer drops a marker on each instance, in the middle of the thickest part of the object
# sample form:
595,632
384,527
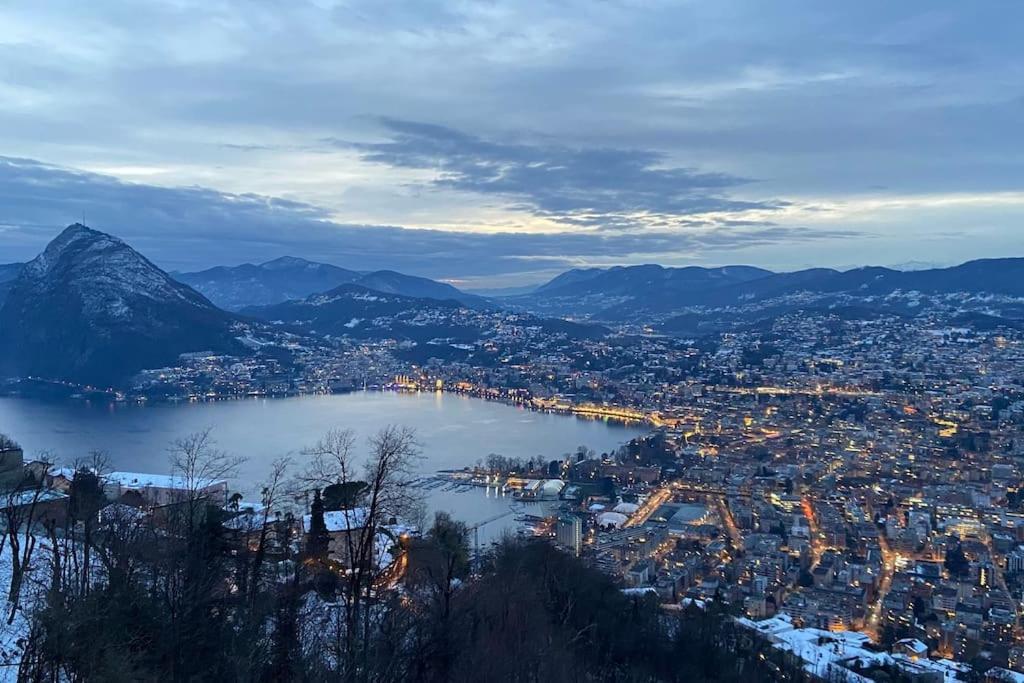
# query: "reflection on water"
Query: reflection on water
454,432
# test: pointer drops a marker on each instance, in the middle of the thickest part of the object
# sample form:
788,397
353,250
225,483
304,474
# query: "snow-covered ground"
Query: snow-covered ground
13,635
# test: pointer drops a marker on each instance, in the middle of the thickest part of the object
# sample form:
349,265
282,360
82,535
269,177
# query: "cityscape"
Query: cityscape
439,341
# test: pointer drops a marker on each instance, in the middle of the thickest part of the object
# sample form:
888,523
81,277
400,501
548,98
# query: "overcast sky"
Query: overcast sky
496,143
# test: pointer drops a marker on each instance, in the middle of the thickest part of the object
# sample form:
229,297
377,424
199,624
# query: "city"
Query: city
517,341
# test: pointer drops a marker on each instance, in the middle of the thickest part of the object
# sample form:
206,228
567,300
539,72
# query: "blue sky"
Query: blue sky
495,143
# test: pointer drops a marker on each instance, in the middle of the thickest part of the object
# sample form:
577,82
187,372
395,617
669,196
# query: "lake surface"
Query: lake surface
454,432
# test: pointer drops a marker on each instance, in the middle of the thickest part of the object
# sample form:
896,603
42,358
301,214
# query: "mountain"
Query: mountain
498,292
10,271
356,311
983,293
90,309
988,276
429,328
593,292
651,293
289,278
285,278
390,282
570,277
8,274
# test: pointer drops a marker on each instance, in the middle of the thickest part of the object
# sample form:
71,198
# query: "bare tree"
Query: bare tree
199,464
85,502
330,461
387,474
20,516
270,500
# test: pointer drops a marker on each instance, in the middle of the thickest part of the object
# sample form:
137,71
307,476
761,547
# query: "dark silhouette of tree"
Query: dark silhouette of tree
317,539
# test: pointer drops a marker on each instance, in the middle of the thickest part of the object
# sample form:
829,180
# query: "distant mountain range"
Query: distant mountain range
599,292
235,287
92,310
640,293
289,278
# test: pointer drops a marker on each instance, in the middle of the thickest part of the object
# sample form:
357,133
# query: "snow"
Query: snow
340,520
107,275
825,652
614,519
137,480
33,588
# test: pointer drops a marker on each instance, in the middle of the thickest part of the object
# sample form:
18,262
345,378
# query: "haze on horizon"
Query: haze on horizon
498,143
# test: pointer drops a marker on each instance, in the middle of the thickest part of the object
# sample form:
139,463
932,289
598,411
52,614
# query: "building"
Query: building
160,489
12,463
569,533
346,530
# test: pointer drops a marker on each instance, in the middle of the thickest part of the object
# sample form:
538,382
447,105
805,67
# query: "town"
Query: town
849,490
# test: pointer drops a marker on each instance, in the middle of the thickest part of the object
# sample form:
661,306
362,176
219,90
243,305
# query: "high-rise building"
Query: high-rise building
569,533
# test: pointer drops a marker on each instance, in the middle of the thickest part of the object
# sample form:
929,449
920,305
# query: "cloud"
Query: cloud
672,121
195,227
597,187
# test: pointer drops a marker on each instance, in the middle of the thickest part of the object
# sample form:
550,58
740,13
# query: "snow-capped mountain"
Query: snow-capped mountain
91,309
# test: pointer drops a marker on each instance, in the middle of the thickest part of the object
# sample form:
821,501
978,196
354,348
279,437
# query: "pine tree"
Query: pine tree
318,541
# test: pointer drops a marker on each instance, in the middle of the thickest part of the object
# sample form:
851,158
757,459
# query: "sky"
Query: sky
495,144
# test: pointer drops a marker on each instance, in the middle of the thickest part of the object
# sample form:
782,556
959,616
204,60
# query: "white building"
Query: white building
162,489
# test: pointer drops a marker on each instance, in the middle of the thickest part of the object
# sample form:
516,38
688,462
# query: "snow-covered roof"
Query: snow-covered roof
133,480
340,520
768,627
823,651
914,645
251,520
626,508
26,497
950,671
615,519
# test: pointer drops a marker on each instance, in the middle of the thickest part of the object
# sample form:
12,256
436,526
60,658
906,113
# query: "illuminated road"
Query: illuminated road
657,499
872,624
817,545
730,524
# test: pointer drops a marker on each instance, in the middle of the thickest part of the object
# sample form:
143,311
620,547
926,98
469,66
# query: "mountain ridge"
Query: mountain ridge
289,278
632,292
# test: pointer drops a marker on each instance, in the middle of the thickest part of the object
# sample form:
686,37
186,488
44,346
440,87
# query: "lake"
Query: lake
454,431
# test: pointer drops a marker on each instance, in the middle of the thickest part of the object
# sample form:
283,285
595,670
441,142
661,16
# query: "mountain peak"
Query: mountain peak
77,232
76,240
92,308
288,262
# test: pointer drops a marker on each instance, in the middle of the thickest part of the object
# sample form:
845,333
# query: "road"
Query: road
872,624
655,501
